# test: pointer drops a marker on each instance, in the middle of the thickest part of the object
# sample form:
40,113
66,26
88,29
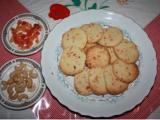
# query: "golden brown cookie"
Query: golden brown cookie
113,84
97,82
112,36
81,83
124,71
97,56
72,61
94,32
127,51
75,37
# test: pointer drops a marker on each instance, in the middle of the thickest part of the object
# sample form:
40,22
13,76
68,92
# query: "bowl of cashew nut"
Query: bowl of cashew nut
21,83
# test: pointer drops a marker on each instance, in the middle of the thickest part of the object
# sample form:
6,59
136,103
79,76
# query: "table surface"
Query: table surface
141,11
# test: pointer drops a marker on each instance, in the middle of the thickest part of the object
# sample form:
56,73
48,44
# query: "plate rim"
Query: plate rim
28,53
40,90
131,106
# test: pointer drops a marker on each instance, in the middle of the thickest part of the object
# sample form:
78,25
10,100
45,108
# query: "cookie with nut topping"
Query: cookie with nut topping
112,36
97,81
72,61
97,56
124,71
127,51
75,37
94,32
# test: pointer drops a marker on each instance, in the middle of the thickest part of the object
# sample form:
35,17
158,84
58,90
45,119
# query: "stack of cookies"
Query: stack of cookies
101,60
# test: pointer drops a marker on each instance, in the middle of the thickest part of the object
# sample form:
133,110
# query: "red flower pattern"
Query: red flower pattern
58,11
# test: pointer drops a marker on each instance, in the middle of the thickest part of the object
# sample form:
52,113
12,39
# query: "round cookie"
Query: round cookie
72,61
75,37
127,51
81,83
113,84
97,56
94,32
124,71
112,36
112,54
97,82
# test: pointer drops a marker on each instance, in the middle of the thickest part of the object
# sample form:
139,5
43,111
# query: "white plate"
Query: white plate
31,18
61,86
34,96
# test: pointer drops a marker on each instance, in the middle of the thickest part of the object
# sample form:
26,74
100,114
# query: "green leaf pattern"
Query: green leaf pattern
78,3
94,6
103,7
